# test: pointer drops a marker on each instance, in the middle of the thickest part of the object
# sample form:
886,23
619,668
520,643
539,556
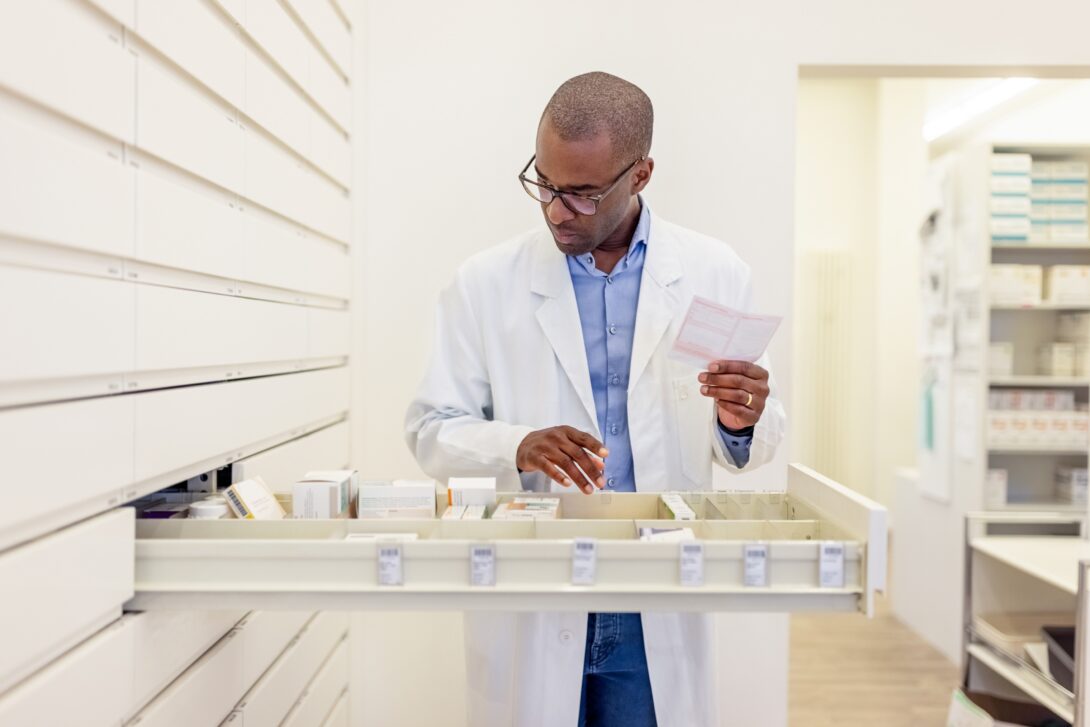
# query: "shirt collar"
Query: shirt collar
635,247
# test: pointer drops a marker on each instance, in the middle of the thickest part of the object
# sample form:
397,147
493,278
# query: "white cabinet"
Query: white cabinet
330,332
310,564
338,717
331,92
65,55
284,255
61,588
274,103
63,185
329,30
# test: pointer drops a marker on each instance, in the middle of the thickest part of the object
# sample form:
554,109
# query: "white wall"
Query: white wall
454,92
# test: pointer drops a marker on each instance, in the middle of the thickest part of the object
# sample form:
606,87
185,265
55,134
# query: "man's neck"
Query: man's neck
615,247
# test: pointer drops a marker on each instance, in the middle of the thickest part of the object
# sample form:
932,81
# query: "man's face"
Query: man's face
586,167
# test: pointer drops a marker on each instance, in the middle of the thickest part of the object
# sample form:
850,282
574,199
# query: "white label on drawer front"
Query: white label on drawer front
831,565
691,564
482,565
389,566
584,562
756,564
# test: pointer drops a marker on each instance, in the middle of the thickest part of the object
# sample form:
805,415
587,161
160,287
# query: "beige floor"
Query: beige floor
848,671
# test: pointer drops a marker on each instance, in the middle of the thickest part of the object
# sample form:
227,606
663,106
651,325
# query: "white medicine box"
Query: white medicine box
1016,284
1001,358
1068,284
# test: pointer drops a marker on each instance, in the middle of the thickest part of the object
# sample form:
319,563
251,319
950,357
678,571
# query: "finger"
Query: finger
592,470
729,381
749,370
747,417
738,396
586,440
556,473
567,464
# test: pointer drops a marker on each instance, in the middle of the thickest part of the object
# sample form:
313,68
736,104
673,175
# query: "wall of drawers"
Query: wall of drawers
175,257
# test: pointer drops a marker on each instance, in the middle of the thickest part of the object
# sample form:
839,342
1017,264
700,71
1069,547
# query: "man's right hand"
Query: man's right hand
561,452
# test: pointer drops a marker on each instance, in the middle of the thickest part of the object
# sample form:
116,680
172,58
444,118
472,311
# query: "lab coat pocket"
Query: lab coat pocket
693,430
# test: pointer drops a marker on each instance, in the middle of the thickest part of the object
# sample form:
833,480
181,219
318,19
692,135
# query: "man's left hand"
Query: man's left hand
740,391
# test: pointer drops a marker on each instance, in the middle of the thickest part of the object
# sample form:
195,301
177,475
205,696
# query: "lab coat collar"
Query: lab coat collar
558,314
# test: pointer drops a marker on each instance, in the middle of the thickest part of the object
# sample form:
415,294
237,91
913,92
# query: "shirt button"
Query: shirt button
609,280
566,636
609,482
614,429
615,380
612,330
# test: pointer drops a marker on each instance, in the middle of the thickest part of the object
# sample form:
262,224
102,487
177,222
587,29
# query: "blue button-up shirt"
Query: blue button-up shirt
607,313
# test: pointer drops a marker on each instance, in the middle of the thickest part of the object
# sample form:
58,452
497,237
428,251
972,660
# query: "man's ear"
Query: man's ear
643,176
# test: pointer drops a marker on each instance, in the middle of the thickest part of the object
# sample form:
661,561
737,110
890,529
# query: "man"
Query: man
551,371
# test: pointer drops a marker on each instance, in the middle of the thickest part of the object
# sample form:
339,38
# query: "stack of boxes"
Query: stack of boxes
1058,209
1011,187
1030,285
1045,418
1071,485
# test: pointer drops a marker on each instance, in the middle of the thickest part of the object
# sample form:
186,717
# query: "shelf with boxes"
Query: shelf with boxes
814,546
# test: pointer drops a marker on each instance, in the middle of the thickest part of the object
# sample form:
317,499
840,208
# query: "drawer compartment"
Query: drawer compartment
310,564
60,589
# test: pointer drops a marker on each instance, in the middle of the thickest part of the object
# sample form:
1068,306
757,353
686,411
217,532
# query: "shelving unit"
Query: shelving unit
1018,565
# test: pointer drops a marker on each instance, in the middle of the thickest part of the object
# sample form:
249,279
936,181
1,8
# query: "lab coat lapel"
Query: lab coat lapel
659,303
558,316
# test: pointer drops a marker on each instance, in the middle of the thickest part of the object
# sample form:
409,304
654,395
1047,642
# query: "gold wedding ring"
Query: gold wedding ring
750,399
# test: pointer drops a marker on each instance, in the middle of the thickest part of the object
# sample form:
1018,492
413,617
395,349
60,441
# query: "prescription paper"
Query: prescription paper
713,332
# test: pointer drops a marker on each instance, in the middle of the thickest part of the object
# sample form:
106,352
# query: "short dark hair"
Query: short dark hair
591,103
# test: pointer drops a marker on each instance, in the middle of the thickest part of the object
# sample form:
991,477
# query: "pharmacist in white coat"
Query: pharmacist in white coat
551,371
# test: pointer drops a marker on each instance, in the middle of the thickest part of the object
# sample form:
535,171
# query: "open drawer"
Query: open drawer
310,565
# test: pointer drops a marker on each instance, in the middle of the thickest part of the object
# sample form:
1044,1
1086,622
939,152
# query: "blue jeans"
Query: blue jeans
616,686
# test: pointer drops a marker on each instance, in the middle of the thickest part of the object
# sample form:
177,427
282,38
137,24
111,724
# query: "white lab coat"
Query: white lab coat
509,359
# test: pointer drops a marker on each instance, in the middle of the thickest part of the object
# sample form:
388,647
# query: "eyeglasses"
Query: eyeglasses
580,204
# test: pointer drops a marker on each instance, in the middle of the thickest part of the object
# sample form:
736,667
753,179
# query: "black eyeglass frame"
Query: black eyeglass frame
595,199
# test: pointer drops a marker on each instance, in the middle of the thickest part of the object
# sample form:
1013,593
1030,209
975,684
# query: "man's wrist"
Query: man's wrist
746,432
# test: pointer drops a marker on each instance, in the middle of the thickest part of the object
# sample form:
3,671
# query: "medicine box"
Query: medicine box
471,491
1013,205
995,488
1056,359
1016,284
1073,327
253,500
1001,358
676,507
1011,183
414,499
1067,284
324,494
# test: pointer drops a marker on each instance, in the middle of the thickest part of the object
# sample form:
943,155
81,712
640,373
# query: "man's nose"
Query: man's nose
558,212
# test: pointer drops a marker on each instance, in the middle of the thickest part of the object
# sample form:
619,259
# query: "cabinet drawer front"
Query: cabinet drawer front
266,634
199,39
182,223
87,686
284,465
338,717
179,427
178,329
95,435
328,28
283,255
61,588
166,643
65,55
330,332
276,105
68,325
270,699
182,123
50,168
320,696
204,693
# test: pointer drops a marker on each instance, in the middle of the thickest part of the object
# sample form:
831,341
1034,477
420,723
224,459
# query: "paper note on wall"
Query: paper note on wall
713,332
